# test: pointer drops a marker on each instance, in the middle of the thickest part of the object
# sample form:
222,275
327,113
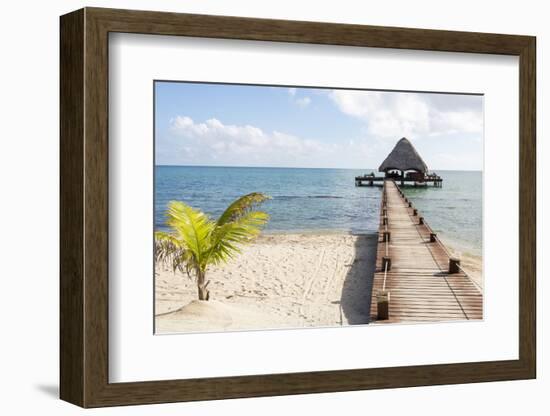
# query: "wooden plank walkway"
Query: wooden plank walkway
418,283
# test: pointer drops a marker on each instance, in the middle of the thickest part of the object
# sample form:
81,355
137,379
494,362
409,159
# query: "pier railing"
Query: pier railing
422,267
411,180
436,239
382,297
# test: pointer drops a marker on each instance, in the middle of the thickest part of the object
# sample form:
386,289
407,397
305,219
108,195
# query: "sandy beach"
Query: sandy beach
471,263
279,281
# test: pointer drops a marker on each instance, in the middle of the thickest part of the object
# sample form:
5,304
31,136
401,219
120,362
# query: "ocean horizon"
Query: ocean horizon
310,200
368,170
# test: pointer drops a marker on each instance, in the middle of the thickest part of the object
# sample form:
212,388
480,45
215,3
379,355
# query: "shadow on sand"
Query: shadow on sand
356,292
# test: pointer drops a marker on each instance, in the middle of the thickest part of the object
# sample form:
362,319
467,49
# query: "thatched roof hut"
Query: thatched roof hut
403,157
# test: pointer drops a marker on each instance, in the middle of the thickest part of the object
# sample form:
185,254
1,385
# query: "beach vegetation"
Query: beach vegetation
195,241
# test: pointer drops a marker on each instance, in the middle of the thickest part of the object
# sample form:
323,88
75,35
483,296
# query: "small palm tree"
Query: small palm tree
196,241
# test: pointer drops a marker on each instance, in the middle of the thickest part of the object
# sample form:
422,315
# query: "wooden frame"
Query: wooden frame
84,207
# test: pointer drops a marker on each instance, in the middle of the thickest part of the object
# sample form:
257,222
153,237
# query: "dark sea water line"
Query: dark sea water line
322,200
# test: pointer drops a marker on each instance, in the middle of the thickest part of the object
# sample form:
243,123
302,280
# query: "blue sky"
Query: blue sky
240,125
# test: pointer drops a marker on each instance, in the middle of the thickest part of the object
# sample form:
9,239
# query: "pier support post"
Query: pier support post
383,304
453,265
386,263
410,204
384,220
384,212
420,220
386,236
433,237
415,212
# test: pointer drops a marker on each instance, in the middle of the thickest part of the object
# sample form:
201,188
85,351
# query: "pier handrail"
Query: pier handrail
386,240
421,275
385,276
438,240
387,255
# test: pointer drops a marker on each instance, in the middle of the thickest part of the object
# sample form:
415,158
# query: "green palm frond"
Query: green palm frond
195,241
241,206
192,228
227,238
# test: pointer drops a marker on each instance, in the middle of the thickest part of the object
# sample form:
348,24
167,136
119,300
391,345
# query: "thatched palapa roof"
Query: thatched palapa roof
403,157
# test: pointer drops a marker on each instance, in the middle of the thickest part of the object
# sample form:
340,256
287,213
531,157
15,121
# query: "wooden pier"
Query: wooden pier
415,181
416,279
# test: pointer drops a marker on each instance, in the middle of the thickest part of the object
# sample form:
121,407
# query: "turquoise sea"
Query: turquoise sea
313,200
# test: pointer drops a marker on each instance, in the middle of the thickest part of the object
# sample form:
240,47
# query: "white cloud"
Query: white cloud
214,143
303,102
212,140
386,118
457,161
391,115
457,121
213,130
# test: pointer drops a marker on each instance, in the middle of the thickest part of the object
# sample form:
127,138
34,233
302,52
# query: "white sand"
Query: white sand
279,281
472,264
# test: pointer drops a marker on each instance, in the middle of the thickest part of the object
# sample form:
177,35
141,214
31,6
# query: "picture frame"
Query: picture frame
84,218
